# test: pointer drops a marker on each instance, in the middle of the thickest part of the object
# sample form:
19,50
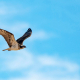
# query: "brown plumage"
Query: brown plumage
15,44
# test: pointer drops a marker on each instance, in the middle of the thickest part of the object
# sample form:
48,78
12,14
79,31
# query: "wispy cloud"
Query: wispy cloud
24,60
19,61
41,35
17,28
7,9
55,61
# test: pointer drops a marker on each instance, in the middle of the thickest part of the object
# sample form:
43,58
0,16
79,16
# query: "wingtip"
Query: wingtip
29,29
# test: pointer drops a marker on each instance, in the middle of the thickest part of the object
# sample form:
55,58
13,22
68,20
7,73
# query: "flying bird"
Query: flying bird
12,43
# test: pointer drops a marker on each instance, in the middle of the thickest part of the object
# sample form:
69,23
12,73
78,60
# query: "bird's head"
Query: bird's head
22,46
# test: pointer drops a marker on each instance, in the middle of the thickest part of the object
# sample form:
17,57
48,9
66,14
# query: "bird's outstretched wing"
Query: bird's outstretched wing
9,37
26,35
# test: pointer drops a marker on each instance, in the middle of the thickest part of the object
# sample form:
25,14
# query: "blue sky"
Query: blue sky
53,50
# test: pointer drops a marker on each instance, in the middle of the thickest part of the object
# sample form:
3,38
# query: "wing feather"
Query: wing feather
9,37
26,35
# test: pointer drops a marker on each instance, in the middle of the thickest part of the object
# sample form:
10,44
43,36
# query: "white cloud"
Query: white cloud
8,9
54,61
22,59
41,35
5,10
41,76
41,67
17,28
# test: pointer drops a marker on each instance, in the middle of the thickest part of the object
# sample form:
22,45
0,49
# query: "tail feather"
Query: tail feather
6,49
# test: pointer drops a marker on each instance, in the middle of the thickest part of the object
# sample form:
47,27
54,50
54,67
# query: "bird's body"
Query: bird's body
15,44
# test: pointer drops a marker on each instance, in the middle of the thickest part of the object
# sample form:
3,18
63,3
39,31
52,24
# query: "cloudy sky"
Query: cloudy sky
53,50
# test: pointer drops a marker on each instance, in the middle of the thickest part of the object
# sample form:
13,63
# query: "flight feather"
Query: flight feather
26,35
9,37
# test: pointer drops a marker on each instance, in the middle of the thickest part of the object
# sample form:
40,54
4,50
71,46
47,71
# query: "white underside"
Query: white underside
14,47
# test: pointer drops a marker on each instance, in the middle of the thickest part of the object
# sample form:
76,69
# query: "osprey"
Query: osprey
15,44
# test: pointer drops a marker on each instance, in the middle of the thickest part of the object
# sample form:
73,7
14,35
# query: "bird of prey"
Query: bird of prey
12,43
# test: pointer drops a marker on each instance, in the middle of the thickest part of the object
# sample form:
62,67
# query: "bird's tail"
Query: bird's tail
6,49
